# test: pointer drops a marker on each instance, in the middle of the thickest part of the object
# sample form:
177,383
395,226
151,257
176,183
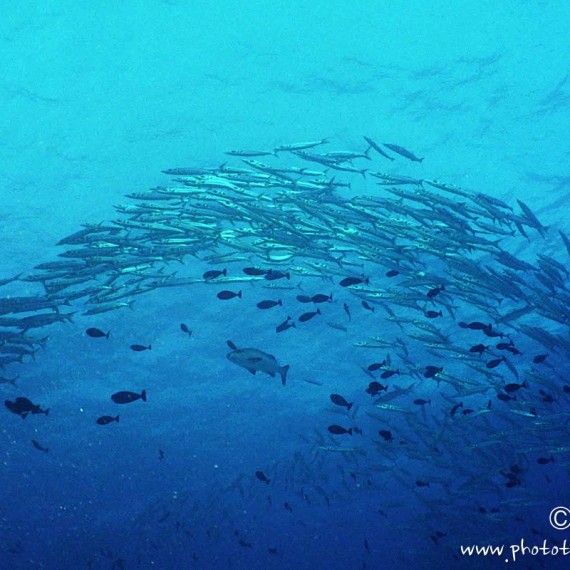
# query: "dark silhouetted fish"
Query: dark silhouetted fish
435,291
339,430
185,329
97,333
268,304
39,446
495,362
388,374
421,402
128,397
321,298
140,347
214,273
23,406
431,371
539,358
273,275
262,477
308,316
367,306
304,299
256,271
340,401
350,281
226,295
385,434
286,324
392,273
104,420
510,388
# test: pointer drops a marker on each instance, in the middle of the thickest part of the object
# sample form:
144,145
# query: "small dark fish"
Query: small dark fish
366,545
160,452
475,325
376,365
495,362
539,358
255,271
420,483
510,388
403,152
244,543
367,306
435,291
97,333
23,406
272,550
288,507
505,397
268,304
375,387
39,446
286,324
339,430
545,460
340,401
388,374
128,397
104,420
547,398
185,329
214,273
321,298
392,273
566,389
491,332
347,311
455,408
478,348
349,281
431,371
433,314
467,411
421,402
140,347
226,295
262,477
304,299
272,275
308,316
385,434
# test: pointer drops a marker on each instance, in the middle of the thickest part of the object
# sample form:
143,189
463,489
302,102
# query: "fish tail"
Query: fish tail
239,294
143,395
107,335
349,431
46,412
150,346
283,372
116,418
349,406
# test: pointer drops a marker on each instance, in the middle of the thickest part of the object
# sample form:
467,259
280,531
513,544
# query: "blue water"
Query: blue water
96,101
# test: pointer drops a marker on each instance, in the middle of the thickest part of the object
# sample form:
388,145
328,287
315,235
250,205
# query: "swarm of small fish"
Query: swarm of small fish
472,327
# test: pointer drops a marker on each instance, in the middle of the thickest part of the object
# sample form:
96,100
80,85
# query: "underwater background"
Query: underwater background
220,468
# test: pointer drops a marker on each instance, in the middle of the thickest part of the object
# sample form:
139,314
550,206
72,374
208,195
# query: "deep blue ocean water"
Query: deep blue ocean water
96,101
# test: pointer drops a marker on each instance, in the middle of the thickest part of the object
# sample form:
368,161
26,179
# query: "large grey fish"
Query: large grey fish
256,360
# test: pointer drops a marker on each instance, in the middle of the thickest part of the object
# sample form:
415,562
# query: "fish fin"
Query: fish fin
349,406
143,395
283,372
231,345
107,335
251,370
